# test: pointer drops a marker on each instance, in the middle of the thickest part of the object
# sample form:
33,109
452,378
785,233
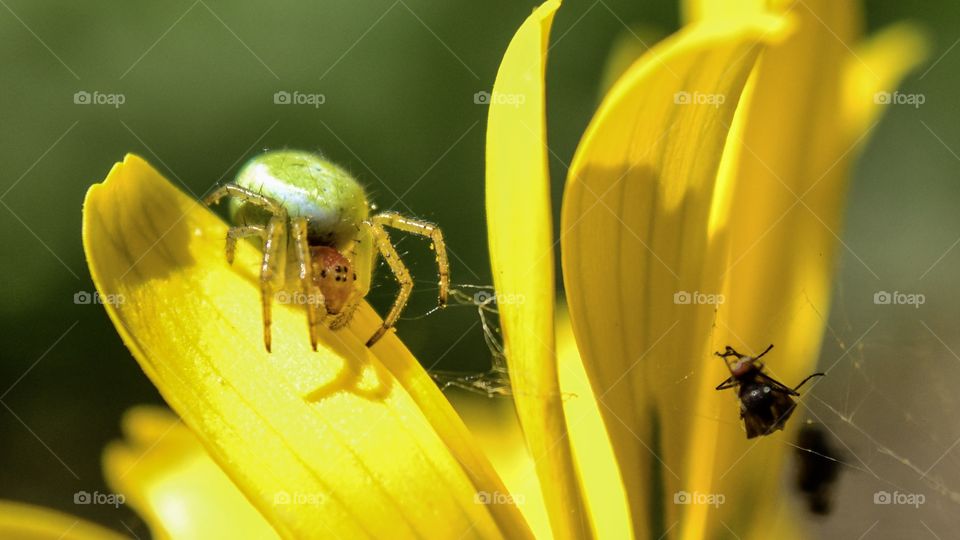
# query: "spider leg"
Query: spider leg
490,384
729,383
271,269
274,244
344,318
235,233
315,309
244,195
382,241
429,230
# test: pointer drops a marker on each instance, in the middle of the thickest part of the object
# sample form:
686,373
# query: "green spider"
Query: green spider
312,213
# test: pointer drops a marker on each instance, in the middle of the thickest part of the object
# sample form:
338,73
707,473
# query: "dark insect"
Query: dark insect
818,466
765,403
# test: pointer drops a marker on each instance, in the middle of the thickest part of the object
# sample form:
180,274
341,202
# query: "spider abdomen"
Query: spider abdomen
306,185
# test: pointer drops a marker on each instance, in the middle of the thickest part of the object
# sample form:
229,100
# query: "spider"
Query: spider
765,403
314,214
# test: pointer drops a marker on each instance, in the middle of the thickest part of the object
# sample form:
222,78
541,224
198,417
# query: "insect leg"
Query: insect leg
729,383
803,382
729,351
765,351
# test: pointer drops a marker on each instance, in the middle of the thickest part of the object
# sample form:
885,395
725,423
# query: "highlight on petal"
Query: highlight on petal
335,427
170,480
521,252
634,235
29,522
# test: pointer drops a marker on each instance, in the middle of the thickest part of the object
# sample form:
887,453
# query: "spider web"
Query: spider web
890,413
884,409
887,410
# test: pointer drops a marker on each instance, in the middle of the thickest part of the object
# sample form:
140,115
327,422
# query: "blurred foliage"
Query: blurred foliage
399,78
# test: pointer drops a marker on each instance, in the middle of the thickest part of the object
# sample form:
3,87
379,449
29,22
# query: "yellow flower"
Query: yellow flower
678,185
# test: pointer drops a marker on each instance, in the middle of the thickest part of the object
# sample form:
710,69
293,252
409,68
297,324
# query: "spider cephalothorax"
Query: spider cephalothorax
308,211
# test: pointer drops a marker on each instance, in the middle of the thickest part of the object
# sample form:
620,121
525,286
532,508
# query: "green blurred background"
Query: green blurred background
399,80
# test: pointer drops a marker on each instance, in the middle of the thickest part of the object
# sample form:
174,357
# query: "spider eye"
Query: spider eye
334,274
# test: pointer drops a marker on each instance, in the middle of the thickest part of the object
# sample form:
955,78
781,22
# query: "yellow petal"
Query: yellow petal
634,232
700,10
28,522
874,71
604,491
173,484
521,254
335,426
494,425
